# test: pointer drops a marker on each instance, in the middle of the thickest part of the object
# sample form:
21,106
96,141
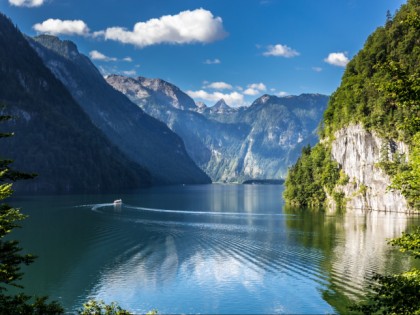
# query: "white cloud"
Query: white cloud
257,86
96,55
282,93
130,73
66,27
255,89
219,86
281,51
317,69
198,26
128,59
252,92
212,61
233,99
337,59
26,3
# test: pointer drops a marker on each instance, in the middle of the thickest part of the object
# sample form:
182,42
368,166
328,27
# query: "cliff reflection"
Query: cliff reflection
355,247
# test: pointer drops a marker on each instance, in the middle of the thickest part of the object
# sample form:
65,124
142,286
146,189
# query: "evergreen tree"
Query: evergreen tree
11,257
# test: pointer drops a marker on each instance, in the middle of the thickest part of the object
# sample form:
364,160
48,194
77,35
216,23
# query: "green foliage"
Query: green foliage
11,258
311,178
394,294
399,293
25,305
381,85
94,307
380,89
407,178
409,243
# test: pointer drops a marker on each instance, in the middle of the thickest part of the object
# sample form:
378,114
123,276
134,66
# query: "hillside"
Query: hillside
232,144
142,138
53,136
369,155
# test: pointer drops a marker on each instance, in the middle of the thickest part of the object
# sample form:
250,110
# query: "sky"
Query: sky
237,50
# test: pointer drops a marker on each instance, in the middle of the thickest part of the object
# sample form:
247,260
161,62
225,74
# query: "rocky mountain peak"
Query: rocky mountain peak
201,105
263,100
221,107
65,48
164,93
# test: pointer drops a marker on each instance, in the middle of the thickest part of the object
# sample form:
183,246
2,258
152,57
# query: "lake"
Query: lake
205,249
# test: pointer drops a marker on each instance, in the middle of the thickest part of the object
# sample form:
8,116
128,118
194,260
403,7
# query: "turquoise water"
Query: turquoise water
205,249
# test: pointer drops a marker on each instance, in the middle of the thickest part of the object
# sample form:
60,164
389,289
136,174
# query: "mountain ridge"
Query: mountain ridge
144,139
236,144
53,136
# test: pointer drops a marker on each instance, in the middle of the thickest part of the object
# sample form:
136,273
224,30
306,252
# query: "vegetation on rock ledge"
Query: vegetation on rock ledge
381,90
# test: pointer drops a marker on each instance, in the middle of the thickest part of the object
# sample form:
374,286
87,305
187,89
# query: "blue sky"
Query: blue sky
235,49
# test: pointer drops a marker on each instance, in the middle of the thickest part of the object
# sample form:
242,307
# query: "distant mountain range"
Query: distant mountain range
53,136
145,140
232,144
81,132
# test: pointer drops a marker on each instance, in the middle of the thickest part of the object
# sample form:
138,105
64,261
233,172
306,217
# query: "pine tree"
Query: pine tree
11,257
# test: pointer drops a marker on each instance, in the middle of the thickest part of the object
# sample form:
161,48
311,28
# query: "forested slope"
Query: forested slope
378,102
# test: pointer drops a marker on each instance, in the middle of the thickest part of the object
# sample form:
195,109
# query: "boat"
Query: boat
117,202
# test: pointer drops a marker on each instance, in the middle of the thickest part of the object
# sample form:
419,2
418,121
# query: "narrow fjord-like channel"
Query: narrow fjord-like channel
205,249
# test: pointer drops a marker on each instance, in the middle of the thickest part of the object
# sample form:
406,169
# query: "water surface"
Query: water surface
205,249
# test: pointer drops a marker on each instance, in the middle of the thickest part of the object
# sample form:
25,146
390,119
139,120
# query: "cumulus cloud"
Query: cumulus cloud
212,61
255,89
282,94
337,59
233,99
251,92
63,27
128,59
96,55
26,3
280,51
197,26
257,86
219,86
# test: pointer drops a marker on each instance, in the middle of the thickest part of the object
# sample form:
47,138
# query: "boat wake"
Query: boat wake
98,208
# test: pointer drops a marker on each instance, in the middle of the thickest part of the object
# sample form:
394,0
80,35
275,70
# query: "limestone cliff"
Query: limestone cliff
370,129
358,153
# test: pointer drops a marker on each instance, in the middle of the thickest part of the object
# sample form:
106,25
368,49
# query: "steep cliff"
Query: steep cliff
145,140
359,153
232,144
369,153
53,136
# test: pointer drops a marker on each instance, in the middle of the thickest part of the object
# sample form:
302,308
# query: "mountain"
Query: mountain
221,108
233,144
369,153
142,138
53,136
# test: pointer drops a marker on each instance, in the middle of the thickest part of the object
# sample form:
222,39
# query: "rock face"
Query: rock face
54,137
147,141
232,144
358,152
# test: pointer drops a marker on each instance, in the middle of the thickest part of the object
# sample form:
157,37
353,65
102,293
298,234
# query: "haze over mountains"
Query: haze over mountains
142,138
232,144
79,132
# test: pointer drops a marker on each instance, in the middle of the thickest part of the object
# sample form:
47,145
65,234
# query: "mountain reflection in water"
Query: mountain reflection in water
205,249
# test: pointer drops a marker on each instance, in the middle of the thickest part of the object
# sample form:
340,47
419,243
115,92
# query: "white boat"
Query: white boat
117,202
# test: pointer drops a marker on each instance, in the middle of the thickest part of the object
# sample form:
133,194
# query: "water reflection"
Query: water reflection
355,247
206,249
